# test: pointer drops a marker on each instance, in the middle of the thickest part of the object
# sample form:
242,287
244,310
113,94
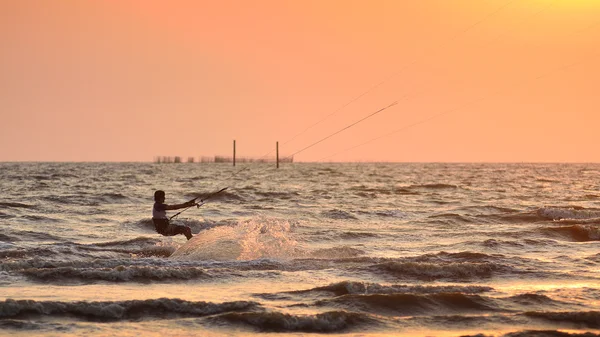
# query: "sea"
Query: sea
336,249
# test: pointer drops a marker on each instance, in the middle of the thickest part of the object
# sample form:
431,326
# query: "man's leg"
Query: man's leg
185,231
188,233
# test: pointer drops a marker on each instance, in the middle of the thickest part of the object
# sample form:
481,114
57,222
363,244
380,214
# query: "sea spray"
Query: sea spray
252,239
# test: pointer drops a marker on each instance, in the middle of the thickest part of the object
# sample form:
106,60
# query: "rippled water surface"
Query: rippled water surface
359,249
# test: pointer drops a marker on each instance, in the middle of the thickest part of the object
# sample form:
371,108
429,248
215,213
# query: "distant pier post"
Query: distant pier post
234,152
277,152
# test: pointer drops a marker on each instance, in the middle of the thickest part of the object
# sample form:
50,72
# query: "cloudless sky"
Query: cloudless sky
475,80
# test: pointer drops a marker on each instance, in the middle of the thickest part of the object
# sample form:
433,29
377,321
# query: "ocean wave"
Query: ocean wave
338,215
541,242
367,195
470,321
531,299
147,224
466,256
330,171
351,287
39,177
322,193
579,221
118,274
222,196
545,333
136,241
24,325
452,218
337,252
300,264
8,238
392,213
546,180
16,205
336,235
120,310
63,175
518,217
595,258
438,186
110,198
276,195
577,233
7,278
46,263
39,218
370,191
77,251
488,209
494,214
20,264
6,216
587,319
560,213
79,199
413,304
405,191
34,236
460,271
224,268
137,247
327,322
434,301
20,253
493,243
353,235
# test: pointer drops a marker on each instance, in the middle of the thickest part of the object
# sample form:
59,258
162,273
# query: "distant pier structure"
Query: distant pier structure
222,159
277,159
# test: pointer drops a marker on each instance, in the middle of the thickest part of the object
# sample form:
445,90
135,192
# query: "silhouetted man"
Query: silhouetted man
161,221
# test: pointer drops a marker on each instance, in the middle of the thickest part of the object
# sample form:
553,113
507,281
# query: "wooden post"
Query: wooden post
277,151
234,152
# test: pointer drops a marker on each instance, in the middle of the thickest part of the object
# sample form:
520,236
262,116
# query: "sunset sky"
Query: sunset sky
475,81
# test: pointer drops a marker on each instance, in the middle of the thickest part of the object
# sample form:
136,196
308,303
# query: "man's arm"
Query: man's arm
178,206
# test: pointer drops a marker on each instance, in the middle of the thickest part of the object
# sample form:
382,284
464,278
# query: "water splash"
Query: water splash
247,240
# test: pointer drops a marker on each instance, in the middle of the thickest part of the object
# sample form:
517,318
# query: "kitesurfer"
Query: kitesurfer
161,221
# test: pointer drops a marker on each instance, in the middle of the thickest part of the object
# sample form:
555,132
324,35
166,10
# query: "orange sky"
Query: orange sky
129,80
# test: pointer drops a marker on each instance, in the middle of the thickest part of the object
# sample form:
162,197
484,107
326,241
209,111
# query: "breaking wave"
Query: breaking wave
15,205
120,273
328,322
577,233
561,213
433,186
460,271
120,310
350,287
412,304
338,215
546,333
588,319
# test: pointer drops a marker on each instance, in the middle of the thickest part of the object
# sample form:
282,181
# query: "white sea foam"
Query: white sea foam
248,240
559,213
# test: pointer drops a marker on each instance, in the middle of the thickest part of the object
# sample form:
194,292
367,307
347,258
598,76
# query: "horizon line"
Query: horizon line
304,162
